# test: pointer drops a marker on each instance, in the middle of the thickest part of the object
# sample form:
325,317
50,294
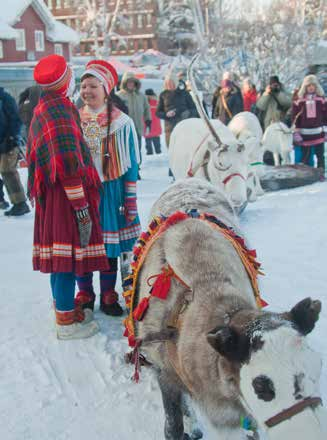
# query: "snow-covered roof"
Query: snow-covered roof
55,31
60,33
6,32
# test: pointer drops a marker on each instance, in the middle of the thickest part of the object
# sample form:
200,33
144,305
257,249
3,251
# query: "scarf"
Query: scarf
56,148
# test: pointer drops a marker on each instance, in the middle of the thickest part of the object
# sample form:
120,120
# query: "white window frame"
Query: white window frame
50,6
140,21
1,49
58,49
58,4
149,20
21,40
39,41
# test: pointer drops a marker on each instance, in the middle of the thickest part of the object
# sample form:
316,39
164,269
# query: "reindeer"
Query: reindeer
207,149
247,129
278,138
208,339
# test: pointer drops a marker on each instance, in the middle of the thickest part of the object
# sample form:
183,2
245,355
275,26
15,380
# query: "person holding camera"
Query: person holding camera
10,141
274,102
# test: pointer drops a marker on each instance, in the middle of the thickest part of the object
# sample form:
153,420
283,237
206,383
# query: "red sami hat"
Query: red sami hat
104,72
53,73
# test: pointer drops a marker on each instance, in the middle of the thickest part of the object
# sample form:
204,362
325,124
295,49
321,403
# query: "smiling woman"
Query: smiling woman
112,140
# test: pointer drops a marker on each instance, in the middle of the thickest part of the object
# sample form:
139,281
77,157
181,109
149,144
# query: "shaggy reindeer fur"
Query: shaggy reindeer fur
221,295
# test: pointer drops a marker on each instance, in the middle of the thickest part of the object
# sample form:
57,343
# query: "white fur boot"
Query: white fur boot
77,330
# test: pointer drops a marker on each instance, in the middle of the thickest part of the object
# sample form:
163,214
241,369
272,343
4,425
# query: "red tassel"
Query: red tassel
253,253
161,285
144,236
140,310
137,250
263,303
126,332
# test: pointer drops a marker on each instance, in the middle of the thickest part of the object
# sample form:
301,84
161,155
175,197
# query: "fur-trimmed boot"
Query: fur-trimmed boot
85,300
70,326
109,303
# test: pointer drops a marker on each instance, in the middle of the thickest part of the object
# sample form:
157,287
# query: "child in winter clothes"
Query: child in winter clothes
152,135
309,115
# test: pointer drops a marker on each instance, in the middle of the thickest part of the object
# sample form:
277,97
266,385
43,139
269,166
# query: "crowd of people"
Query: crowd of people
84,162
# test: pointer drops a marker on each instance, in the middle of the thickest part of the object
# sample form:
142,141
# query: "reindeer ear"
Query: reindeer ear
229,343
305,314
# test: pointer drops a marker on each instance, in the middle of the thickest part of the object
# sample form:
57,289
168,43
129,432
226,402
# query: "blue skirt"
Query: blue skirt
118,237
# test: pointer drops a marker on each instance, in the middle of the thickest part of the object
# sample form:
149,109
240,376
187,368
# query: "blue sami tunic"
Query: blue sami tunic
116,158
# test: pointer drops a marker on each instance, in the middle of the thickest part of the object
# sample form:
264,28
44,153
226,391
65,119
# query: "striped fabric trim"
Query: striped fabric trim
61,82
92,251
74,192
59,250
130,187
316,130
129,233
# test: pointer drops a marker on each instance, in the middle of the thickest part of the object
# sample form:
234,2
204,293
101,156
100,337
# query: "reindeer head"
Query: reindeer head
227,168
277,368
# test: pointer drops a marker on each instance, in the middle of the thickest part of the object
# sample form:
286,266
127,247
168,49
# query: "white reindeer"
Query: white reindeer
247,129
278,138
207,149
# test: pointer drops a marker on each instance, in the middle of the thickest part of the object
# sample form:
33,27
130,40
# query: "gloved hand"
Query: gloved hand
84,226
297,138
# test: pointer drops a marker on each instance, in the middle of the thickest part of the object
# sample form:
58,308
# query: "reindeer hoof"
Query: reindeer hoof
305,314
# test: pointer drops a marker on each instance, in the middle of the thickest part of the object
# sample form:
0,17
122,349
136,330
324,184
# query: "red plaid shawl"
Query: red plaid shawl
56,147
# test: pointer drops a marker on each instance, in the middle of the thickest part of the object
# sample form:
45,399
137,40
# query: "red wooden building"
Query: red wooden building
28,32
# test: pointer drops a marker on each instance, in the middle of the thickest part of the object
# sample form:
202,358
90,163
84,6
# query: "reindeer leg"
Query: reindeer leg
172,402
276,159
190,419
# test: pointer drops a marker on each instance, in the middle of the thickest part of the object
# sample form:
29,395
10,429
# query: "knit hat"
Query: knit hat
274,79
226,83
52,73
310,79
149,92
104,72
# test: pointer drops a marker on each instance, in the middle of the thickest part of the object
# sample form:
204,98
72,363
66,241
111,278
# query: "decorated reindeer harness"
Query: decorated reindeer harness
162,281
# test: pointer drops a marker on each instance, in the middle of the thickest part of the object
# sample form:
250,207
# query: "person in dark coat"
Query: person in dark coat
27,102
229,102
10,141
175,104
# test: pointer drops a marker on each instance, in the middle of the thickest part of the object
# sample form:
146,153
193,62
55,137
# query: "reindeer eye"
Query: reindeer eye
264,388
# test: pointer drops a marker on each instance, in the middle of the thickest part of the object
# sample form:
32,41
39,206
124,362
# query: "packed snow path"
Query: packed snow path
81,390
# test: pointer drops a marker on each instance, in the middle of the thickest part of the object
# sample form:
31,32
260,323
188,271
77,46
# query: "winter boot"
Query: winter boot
69,327
109,303
85,300
18,209
77,330
4,204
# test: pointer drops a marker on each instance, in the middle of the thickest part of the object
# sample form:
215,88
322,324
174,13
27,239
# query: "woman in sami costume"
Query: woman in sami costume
112,140
65,186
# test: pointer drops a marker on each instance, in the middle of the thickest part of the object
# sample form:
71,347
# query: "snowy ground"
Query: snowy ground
81,390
